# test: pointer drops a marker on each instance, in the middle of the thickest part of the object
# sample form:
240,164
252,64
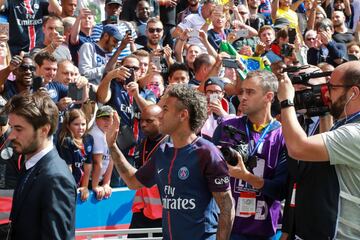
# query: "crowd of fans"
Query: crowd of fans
104,61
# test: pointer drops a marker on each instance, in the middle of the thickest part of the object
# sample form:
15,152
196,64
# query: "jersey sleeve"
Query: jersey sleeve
214,169
342,144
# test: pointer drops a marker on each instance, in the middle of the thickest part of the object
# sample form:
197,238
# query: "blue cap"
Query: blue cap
113,31
215,81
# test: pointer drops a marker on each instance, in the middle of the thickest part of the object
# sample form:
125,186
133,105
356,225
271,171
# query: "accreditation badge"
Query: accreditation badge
246,204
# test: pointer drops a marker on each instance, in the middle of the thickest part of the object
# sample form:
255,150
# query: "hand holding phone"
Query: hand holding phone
230,63
60,30
75,93
131,78
213,98
292,35
156,60
37,83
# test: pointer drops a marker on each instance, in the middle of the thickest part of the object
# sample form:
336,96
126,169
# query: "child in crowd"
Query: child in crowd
102,131
75,146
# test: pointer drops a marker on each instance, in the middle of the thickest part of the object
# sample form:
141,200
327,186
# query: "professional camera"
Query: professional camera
312,100
241,146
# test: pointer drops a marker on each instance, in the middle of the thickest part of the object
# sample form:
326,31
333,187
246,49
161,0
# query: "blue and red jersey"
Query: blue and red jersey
186,178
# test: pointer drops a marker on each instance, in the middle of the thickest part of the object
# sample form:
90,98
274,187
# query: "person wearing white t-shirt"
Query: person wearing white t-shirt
195,22
102,164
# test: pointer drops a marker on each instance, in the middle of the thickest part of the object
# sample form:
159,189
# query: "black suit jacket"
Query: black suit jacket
45,209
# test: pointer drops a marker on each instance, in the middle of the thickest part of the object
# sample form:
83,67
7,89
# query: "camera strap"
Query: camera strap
261,139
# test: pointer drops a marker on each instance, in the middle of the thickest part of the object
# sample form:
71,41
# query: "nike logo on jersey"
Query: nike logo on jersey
159,170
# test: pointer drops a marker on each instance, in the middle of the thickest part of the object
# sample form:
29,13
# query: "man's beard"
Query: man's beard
154,41
337,25
31,148
337,108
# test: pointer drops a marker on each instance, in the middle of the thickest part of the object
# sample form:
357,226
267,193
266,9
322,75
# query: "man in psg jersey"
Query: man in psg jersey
26,20
189,171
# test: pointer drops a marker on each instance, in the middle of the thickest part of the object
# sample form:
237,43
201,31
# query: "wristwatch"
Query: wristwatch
286,103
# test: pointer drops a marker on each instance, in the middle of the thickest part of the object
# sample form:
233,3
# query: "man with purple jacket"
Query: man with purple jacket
258,178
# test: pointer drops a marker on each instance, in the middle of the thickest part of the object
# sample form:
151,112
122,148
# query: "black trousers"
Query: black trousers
139,220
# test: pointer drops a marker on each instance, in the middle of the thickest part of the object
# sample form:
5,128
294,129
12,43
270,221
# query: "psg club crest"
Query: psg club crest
183,173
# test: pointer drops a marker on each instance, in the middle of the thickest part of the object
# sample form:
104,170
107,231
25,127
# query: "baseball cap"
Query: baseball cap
113,1
280,23
104,111
113,31
215,81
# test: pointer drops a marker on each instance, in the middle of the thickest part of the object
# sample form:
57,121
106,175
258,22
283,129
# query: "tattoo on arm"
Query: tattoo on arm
227,213
125,169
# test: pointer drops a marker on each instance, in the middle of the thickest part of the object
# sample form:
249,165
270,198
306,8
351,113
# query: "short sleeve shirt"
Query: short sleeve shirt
100,147
25,23
186,178
343,146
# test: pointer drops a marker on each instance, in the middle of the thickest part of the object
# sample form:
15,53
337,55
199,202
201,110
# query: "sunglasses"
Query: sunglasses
152,30
24,68
133,67
310,39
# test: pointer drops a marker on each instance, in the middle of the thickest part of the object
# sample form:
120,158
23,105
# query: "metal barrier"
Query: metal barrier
119,234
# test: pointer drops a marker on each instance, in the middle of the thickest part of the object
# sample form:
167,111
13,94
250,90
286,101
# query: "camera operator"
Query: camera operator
339,146
259,177
308,217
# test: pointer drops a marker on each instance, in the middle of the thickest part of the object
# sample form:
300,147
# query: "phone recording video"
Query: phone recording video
60,30
131,78
292,35
286,50
74,92
213,98
230,63
37,83
156,60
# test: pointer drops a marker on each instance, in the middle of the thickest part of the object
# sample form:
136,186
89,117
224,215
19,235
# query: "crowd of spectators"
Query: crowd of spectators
104,61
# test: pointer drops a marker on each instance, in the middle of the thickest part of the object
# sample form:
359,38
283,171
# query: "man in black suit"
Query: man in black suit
45,195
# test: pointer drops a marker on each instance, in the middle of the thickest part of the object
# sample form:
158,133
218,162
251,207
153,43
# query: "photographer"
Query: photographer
23,67
308,217
326,49
259,177
339,146
120,90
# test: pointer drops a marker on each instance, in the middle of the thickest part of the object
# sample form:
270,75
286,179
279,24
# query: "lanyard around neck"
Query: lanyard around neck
261,139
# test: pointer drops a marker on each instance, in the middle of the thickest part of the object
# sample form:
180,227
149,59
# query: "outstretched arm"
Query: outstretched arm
126,171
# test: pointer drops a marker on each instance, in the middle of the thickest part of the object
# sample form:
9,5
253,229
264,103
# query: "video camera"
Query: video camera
241,146
313,100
